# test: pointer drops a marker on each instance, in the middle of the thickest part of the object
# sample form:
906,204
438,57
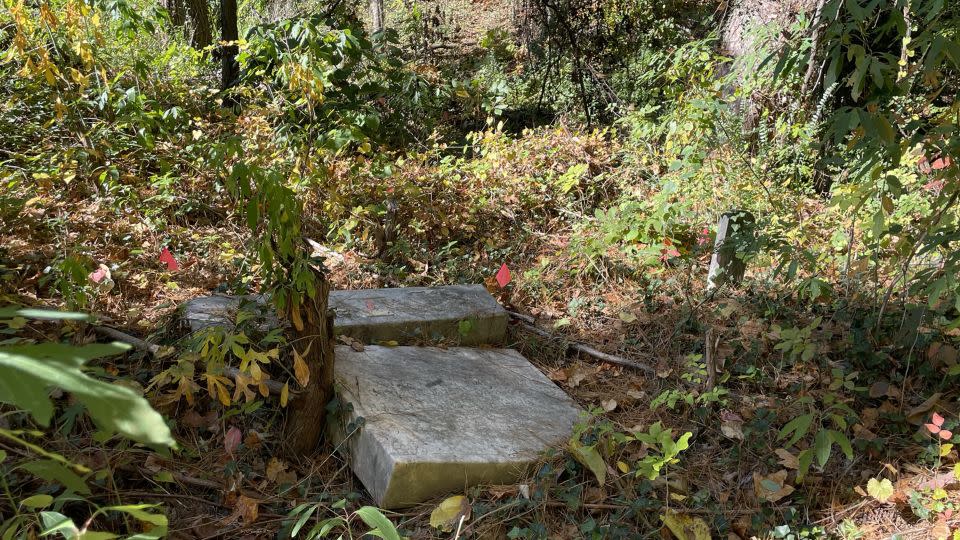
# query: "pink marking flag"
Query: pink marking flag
97,275
167,257
503,275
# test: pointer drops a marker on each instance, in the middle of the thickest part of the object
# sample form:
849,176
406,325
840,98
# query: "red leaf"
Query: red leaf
503,275
933,428
937,420
232,439
946,435
167,257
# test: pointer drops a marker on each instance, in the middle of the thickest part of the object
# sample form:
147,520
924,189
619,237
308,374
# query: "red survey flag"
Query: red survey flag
503,275
167,257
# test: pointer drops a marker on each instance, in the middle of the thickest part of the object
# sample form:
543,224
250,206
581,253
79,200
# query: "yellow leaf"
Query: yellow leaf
623,467
447,516
686,527
300,369
880,490
284,395
295,318
590,458
945,449
274,468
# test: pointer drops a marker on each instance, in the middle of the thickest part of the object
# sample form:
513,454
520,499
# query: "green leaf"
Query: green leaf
805,459
380,525
822,444
44,314
323,528
96,535
139,511
591,459
37,501
53,471
57,522
304,514
27,371
843,442
798,427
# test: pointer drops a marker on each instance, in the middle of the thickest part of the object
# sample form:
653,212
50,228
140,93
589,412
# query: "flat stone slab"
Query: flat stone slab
457,314
437,421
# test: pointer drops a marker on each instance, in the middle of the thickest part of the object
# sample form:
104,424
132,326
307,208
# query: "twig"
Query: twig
709,358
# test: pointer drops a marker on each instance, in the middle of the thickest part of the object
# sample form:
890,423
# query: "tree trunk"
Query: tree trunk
313,340
740,41
178,15
201,36
229,32
376,15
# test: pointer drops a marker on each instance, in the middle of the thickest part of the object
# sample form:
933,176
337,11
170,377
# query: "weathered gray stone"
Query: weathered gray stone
734,232
458,314
437,421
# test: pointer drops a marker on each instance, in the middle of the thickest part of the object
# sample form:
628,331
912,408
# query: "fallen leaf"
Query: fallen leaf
787,459
880,490
167,257
731,425
940,530
879,389
685,526
577,374
449,513
942,354
253,439
249,509
609,404
773,487
503,275
232,439
274,468
917,414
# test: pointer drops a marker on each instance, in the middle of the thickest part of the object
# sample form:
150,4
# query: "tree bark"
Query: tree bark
230,70
201,36
376,15
178,15
313,340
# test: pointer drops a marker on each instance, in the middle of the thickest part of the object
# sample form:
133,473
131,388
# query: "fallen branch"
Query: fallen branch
528,322
136,342
275,387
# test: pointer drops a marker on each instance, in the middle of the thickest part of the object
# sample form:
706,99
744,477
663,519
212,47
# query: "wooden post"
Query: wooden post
733,232
313,340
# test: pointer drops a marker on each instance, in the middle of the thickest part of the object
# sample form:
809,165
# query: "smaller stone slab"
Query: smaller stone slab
437,421
457,314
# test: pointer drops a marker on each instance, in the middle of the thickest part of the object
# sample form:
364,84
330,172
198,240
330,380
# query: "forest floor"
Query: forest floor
740,474
737,475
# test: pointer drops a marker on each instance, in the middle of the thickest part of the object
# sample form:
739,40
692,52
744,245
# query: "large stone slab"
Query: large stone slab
457,314
437,421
